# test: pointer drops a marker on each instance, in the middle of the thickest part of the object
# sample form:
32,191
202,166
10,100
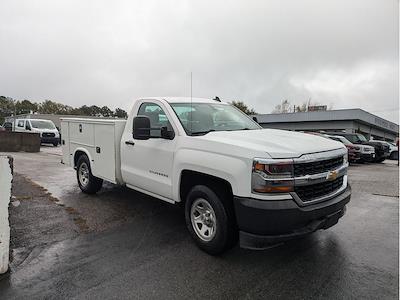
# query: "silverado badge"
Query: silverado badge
332,175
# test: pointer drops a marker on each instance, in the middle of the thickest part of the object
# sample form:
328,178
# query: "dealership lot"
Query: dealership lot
122,244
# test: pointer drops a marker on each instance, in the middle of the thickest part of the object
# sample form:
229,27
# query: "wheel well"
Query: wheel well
78,154
191,178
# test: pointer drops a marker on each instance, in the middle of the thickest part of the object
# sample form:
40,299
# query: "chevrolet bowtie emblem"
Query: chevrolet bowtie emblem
332,175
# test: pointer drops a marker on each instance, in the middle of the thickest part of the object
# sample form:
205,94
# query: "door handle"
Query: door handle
132,143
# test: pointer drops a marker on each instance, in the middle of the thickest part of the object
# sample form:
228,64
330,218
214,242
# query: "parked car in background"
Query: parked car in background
381,151
354,151
393,149
46,128
367,153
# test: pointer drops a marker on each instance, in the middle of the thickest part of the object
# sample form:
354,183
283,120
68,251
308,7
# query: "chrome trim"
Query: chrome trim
318,178
268,161
272,196
314,157
309,179
323,198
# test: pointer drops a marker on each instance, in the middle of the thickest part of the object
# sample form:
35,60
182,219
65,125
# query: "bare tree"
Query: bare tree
287,107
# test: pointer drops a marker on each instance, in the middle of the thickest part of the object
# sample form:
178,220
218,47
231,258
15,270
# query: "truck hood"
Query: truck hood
277,143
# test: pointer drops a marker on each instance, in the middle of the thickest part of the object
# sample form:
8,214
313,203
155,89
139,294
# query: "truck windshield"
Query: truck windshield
202,118
342,140
41,124
356,138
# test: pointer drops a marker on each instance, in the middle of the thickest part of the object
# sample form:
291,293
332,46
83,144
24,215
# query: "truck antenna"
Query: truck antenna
191,103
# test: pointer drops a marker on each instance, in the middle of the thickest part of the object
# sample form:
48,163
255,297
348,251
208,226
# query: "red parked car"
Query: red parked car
354,151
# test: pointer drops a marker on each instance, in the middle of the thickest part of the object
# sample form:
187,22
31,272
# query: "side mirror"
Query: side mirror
167,134
28,127
141,128
255,119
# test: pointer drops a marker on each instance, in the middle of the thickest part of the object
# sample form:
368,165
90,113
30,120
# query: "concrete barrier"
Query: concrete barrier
11,141
5,195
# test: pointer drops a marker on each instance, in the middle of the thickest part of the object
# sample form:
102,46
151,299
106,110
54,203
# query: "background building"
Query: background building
348,120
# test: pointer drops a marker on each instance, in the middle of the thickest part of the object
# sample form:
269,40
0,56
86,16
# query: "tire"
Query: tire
381,159
204,206
88,183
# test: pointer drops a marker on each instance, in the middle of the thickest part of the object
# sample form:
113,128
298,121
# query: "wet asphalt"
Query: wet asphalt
137,247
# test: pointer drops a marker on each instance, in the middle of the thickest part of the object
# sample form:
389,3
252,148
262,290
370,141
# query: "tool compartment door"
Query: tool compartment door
66,155
104,154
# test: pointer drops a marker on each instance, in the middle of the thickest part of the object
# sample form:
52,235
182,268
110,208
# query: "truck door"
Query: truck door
147,164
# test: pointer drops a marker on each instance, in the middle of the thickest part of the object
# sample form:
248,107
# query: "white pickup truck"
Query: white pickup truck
237,180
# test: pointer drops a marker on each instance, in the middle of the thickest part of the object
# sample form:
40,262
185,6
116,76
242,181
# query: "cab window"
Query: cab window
21,123
157,116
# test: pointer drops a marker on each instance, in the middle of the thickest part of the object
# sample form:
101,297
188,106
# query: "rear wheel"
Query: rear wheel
87,182
210,220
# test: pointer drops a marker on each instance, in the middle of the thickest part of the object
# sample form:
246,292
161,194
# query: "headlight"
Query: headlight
345,158
274,177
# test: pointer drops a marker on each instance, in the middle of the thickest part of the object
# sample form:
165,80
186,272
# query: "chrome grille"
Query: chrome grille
317,167
310,192
48,134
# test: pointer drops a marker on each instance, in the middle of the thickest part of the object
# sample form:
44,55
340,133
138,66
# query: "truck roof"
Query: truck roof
29,119
185,100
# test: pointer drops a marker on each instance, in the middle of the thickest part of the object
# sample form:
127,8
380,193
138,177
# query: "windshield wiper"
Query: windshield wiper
207,131
202,132
246,128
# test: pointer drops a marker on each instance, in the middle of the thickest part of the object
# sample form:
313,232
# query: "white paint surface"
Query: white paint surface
5,194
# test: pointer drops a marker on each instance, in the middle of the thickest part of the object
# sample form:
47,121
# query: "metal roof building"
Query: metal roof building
348,120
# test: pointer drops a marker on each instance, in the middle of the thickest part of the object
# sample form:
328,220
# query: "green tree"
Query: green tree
120,113
243,107
48,107
95,111
25,107
106,112
7,107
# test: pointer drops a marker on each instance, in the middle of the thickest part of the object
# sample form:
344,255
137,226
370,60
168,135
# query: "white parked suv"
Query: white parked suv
237,181
393,149
46,128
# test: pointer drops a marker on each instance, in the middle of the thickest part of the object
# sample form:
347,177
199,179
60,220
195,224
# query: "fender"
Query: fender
84,151
231,169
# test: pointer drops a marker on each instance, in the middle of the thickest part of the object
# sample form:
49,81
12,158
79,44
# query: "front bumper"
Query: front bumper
49,140
263,223
368,156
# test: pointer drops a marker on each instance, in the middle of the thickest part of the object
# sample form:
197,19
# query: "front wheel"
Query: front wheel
88,183
209,220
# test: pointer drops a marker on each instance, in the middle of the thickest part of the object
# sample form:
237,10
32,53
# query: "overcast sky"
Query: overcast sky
339,52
